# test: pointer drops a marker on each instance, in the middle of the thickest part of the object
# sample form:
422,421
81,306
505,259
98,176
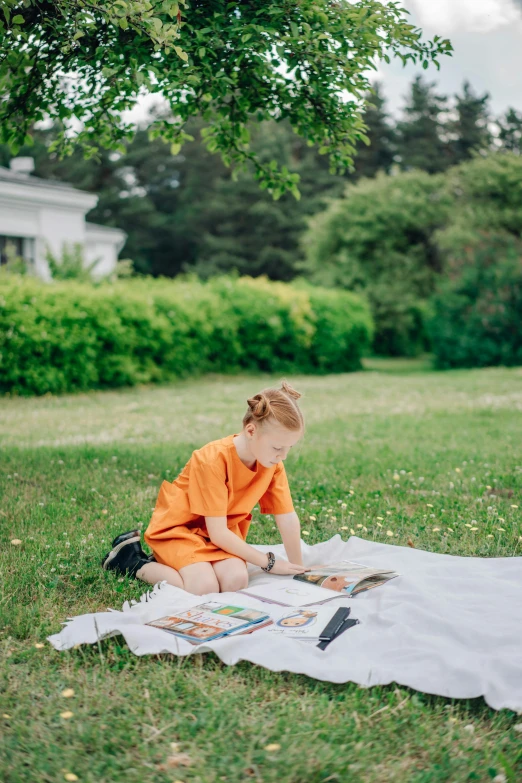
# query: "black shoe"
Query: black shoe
126,537
126,558
131,536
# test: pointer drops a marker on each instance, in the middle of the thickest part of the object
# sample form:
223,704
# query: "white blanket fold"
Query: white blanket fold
448,625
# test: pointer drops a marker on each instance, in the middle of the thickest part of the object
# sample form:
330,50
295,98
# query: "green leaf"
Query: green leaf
18,19
124,23
181,54
175,148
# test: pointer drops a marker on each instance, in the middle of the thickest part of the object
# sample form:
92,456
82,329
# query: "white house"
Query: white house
36,214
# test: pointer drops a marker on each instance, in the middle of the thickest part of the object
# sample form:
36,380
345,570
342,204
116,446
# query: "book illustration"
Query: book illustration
346,577
238,612
304,624
298,619
228,610
249,614
210,621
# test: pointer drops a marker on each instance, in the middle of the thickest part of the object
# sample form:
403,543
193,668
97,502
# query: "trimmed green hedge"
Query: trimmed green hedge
63,337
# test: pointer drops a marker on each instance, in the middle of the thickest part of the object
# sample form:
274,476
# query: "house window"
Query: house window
22,247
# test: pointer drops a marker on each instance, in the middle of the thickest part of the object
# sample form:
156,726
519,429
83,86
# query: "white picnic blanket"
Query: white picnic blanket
448,625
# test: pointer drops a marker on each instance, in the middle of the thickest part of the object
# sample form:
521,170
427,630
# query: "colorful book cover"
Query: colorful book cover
209,621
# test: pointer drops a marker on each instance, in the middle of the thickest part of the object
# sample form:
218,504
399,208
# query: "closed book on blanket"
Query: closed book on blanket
211,620
346,577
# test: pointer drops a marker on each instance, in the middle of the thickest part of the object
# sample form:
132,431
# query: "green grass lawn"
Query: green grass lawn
396,456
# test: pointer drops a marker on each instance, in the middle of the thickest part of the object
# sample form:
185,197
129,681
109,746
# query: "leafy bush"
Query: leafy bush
487,195
379,239
71,265
476,318
70,336
14,264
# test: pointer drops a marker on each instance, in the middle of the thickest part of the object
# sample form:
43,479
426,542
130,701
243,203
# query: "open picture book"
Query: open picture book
211,620
346,577
321,584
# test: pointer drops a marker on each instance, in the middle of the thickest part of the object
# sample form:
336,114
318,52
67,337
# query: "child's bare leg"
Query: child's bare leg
231,574
199,578
157,572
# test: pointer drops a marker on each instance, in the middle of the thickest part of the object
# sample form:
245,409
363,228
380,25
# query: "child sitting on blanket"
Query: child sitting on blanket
200,523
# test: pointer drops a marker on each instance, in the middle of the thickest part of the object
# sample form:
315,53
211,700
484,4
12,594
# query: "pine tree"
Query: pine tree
420,135
469,130
379,154
510,131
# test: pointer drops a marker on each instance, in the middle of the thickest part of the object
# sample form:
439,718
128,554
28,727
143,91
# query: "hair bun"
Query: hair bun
285,386
275,406
260,406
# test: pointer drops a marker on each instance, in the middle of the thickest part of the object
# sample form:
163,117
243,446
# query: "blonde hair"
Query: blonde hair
275,405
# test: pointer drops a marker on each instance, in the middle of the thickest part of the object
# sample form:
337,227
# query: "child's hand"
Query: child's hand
284,568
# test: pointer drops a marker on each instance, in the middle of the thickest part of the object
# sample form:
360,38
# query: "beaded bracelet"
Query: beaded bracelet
271,562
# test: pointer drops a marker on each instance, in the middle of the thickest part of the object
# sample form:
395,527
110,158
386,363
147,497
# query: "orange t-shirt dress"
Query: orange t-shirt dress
213,483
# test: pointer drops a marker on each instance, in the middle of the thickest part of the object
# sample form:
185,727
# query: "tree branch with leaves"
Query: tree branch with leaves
307,61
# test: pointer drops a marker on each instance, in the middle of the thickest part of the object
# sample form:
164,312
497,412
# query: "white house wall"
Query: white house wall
23,220
62,226
106,251
53,217
19,221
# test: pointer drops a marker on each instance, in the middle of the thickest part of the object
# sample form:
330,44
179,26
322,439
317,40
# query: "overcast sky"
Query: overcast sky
487,40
